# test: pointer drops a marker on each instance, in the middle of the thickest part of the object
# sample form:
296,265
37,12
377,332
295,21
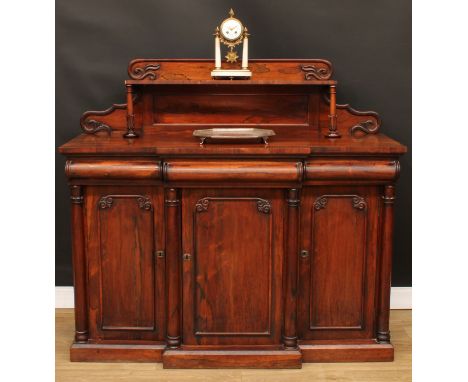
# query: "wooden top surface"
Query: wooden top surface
178,140
198,72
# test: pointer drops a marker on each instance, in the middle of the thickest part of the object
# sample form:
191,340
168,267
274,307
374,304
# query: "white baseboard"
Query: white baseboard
64,297
400,298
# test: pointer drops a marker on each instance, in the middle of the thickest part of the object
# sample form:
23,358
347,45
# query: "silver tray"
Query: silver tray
234,134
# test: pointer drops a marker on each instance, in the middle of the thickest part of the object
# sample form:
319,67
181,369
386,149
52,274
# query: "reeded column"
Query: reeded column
290,271
79,265
383,332
173,254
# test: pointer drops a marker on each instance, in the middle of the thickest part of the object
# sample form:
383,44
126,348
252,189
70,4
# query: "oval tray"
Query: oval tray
233,134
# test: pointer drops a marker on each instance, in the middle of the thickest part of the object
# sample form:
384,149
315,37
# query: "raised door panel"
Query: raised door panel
124,273
232,281
337,280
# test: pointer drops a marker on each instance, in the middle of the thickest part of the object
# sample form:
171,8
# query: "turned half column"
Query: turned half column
383,332
173,268
290,300
79,265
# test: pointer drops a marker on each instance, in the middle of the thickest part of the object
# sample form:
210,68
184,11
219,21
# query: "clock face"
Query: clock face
231,29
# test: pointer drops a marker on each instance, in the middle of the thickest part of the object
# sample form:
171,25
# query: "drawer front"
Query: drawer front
351,169
113,169
233,171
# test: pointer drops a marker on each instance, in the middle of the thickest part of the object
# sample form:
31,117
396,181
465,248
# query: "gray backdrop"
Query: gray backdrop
368,42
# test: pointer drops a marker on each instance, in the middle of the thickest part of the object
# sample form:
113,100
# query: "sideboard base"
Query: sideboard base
116,353
347,353
209,359
250,359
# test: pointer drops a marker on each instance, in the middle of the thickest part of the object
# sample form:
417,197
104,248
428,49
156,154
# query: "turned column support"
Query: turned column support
79,265
332,126
130,116
173,280
290,271
383,332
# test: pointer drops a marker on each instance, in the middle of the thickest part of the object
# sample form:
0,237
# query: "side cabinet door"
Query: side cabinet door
124,232
232,270
337,278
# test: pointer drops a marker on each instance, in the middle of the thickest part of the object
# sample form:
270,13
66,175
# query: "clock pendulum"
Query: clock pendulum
231,56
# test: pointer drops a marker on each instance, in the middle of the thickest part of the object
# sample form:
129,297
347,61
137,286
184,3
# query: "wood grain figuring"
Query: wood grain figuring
232,254
238,171
116,353
237,110
337,227
127,244
124,279
234,242
340,233
179,141
113,169
199,71
225,272
355,169
206,359
347,353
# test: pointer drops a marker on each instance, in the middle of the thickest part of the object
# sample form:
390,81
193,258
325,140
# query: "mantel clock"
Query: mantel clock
231,32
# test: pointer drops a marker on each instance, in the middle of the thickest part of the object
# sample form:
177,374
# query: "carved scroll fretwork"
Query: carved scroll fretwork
148,71
357,201
368,127
92,126
144,203
320,203
264,206
315,72
202,205
365,126
107,201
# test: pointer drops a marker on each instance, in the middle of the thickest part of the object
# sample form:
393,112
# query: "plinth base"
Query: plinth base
220,358
235,74
214,359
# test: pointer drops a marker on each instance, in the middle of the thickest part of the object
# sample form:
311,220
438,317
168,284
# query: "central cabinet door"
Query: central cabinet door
232,266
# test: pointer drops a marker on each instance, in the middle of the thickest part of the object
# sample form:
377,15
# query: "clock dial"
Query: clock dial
231,29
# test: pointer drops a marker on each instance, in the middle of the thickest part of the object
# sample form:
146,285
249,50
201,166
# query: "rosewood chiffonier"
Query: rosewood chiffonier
232,254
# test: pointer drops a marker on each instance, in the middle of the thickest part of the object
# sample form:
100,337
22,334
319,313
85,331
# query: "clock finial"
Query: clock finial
231,13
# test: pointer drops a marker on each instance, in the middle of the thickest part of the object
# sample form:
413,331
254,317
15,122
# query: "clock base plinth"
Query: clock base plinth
231,74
